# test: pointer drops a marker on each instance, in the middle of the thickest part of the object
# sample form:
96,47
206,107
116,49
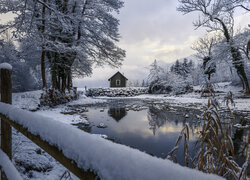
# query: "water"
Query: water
149,127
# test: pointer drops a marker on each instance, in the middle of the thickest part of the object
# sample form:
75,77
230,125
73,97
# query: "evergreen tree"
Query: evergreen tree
155,72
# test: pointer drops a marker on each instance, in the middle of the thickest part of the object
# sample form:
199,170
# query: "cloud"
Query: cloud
150,30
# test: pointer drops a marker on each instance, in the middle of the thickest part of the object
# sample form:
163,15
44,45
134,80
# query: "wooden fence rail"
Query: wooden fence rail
6,133
79,151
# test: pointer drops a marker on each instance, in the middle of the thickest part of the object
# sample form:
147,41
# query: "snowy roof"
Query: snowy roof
109,160
116,74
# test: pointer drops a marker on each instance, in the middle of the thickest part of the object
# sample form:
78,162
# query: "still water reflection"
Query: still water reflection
150,128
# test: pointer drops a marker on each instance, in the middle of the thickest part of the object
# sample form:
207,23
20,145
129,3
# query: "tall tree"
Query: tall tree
155,72
204,48
73,34
217,15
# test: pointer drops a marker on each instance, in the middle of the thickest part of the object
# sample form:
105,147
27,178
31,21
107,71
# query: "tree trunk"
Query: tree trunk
237,58
69,81
43,68
63,83
239,66
43,48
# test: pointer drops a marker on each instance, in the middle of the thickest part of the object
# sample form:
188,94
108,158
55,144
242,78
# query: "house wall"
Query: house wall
118,77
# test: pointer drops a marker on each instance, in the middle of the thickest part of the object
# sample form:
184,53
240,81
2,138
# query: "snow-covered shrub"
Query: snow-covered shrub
117,92
171,83
175,82
52,97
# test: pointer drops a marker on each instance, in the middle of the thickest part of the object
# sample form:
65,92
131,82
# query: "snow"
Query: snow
8,168
83,99
5,66
30,100
117,92
107,159
26,100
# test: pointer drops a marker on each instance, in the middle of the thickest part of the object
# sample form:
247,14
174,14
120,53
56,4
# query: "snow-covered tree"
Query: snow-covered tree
22,76
182,68
73,35
137,83
155,72
248,48
218,15
161,81
204,48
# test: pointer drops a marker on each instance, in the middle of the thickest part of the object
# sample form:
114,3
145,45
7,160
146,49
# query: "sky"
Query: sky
150,30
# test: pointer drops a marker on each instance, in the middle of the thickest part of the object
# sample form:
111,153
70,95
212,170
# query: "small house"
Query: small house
118,80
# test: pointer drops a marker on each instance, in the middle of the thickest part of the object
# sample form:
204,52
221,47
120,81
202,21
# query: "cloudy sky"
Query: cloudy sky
149,30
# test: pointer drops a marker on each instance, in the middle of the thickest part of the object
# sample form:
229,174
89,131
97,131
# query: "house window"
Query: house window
118,82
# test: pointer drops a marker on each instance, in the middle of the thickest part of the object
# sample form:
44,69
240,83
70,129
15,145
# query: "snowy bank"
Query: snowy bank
117,92
107,159
8,168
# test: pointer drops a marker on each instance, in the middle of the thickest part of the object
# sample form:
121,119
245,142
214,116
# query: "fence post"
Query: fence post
6,97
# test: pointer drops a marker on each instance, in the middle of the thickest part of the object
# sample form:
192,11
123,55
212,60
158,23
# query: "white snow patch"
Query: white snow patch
83,100
26,100
8,168
5,66
109,160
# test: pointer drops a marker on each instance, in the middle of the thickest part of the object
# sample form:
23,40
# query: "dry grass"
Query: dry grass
173,154
207,90
215,147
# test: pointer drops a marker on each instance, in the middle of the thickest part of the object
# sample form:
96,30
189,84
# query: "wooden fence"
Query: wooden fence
130,164
6,134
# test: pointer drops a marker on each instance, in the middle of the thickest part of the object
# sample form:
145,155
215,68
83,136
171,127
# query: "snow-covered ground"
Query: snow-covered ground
27,152
29,155
194,99
110,160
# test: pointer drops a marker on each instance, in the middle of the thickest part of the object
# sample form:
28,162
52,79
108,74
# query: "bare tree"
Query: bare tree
204,47
248,48
217,15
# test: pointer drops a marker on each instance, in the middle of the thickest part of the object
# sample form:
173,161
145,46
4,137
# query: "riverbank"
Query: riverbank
28,155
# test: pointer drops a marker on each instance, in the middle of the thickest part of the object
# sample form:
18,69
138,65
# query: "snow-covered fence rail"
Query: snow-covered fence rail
6,133
85,154
90,156
50,147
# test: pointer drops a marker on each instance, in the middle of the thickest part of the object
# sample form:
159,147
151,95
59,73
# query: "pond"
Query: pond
145,125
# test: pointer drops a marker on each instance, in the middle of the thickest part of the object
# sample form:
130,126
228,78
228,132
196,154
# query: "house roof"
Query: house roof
116,74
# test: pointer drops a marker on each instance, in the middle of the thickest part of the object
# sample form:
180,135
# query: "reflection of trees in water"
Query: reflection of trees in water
117,113
239,140
157,118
